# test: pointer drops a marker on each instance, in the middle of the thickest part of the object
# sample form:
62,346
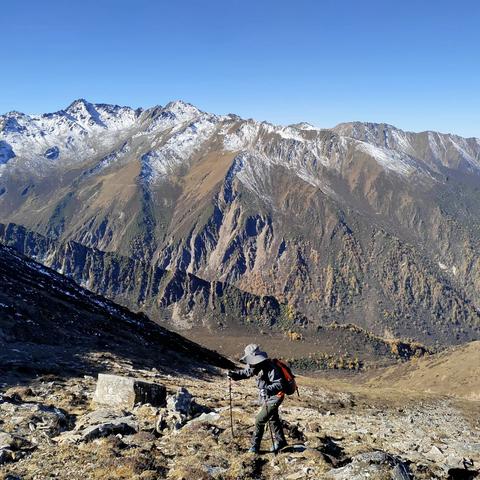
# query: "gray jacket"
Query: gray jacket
269,377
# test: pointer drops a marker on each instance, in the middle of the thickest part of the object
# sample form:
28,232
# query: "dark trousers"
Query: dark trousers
268,413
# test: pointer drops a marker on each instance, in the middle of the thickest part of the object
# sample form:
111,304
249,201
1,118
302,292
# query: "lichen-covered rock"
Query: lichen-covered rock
100,423
146,416
115,391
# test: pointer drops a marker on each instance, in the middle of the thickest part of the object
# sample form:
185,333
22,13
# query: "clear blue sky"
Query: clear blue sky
415,64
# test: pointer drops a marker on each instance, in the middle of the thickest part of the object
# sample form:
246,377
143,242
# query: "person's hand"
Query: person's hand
263,394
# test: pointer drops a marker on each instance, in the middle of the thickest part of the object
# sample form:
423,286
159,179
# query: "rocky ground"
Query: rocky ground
50,428
56,338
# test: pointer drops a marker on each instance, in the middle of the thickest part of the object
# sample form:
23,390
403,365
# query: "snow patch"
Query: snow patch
242,138
390,159
177,149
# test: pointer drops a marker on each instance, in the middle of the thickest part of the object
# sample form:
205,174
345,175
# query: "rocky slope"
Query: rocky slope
48,324
173,296
55,337
335,430
362,223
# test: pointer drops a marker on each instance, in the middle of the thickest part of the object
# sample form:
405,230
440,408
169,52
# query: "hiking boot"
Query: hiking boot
278,446
254,449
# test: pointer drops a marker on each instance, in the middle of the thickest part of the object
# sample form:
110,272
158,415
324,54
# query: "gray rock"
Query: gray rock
207,417
123,426
455,462
97,417
125,392
168,420
12,442
357,471
372,457
100,423
6,440
33,421
435,454
6,456
400,472
180,402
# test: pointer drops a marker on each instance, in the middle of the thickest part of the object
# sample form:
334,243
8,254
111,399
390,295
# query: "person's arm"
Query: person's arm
247,372
276,382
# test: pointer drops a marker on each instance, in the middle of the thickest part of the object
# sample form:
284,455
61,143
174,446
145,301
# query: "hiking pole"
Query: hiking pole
270,428
231,410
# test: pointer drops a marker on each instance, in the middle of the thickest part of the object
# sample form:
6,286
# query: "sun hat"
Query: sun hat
253,355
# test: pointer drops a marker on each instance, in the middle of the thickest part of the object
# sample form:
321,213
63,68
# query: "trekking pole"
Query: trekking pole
231,411
270,428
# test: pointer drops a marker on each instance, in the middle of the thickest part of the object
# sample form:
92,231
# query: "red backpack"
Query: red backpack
290,385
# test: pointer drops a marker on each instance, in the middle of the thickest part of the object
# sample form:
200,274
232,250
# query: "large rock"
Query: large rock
125,392
100,423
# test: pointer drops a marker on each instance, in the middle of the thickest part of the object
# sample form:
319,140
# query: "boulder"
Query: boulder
180,409
125,392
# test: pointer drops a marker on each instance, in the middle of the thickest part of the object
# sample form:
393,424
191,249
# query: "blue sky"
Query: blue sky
414,64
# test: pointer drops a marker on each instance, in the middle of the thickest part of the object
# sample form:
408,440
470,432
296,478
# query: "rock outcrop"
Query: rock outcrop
125,392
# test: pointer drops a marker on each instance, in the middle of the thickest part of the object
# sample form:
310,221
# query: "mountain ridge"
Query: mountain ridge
179,101
369,226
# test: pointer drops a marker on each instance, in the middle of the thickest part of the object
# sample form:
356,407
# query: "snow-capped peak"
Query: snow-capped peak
90,115
86,130
183,111
303,126
85,113
79,103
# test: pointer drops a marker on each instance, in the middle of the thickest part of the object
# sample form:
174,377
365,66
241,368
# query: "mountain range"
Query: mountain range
227,220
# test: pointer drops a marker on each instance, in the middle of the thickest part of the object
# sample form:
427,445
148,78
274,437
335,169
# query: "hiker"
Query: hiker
271,384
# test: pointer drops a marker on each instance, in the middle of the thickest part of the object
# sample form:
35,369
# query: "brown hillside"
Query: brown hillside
453,372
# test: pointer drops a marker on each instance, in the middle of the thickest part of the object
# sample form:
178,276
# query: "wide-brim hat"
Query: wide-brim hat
253,355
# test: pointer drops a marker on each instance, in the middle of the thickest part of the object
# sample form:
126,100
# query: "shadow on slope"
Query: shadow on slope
48,324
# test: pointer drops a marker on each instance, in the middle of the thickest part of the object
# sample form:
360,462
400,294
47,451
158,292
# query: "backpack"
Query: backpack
290,385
